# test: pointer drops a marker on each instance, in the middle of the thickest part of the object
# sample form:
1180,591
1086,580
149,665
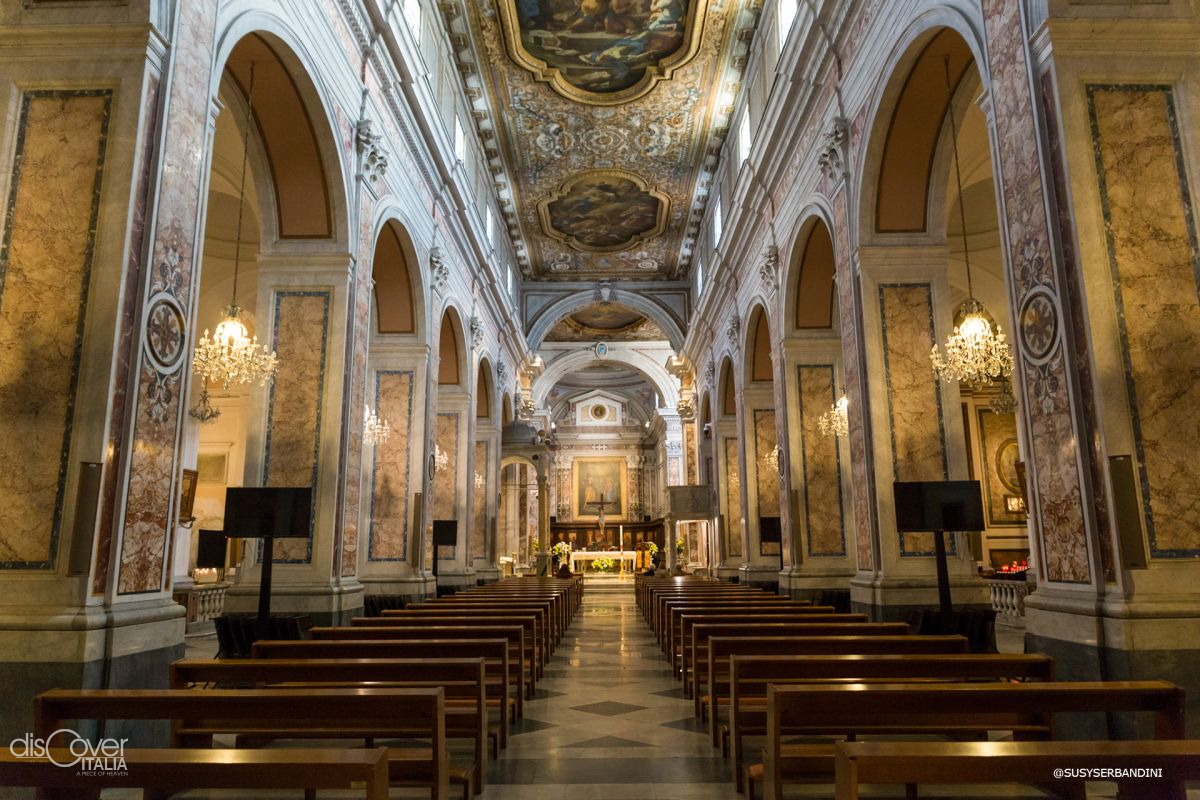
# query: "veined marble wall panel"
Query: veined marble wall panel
913,392
300,336
766,473
1042,364
150,479
124,348
821,463
733,498
45,267
391,468
445,478
1155,264
689,444
848,299
479,493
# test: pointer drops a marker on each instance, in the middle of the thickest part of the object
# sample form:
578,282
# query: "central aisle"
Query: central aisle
608,721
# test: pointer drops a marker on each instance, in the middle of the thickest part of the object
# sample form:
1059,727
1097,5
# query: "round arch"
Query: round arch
560,308
453,361
650,369
485,394
392,222
958,32
757,346
506,409
727,390
810,294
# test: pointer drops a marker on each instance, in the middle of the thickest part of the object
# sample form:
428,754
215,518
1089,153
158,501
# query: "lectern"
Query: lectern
939,506
267,513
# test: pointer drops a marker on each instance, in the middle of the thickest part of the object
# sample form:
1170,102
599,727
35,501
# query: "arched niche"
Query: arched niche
395,311
484,395
506,410
758,348
813,269
728,393
451,354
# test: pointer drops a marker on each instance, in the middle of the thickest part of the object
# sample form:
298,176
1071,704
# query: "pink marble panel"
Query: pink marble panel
479,493
152,447
445,478
820,463
45,266
689,445
1056,459
391,476
301,339
733,498
1156,272
914,399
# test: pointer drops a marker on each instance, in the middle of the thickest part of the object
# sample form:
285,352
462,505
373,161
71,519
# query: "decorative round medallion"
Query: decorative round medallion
1039,325
599,412
601,349
164,333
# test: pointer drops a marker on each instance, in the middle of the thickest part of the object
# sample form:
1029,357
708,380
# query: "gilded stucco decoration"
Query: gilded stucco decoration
601,52
546,139
604,211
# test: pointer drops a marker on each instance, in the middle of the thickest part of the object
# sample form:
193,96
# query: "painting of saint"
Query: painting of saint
601,46
603,212
597,479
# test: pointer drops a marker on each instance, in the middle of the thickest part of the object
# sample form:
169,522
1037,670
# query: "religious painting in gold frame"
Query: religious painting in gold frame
603,211
593,477
603,53
1000,456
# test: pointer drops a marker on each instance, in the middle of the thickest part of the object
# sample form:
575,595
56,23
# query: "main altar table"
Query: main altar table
621,556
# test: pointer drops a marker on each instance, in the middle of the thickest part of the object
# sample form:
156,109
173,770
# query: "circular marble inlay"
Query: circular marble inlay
1039,325
164,332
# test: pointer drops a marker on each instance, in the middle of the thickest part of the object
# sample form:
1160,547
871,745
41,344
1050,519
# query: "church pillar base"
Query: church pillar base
413,587
129,646
460,579
727,573
894,599
1118,640
486,574
803,583
327,604
761,576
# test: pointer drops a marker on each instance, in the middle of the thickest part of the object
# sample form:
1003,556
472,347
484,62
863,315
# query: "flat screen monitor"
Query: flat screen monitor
210,550
938,506
770,529
445,532
276,512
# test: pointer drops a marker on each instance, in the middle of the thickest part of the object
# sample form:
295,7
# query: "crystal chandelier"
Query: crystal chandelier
479,480
375,430
835,421
230,355
974,353
441,458
204,411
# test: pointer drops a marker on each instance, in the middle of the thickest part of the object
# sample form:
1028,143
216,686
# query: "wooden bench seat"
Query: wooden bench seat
913,763
180,769
279,714
1024,709
749,677
750,620
674,610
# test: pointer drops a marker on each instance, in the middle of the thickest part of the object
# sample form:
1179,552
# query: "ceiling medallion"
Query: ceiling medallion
601,52
602,211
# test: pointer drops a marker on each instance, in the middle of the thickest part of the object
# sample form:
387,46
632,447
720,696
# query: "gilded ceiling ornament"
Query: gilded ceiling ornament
601,211
601,52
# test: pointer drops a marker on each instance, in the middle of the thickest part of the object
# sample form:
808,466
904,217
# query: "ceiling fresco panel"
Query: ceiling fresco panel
603,211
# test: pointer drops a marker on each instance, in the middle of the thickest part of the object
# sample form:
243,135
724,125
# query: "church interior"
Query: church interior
539,399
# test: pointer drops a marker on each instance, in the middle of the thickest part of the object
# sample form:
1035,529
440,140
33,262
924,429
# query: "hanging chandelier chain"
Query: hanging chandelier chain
237,245
962,208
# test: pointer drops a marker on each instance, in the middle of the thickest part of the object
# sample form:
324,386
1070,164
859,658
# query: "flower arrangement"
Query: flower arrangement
537,545
603,564
679,545
562,551
652,548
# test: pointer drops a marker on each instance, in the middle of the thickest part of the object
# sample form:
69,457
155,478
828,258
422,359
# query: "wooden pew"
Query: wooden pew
501,670
722,648
749,677
1024,709
675,609
521,649
463,680
751,619
180,769
696,653
538,609
666,601
554,606
913,763
280,714
533,644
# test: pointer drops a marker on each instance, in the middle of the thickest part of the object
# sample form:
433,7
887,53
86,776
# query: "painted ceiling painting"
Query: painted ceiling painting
636,91
603,211
601,52
611,322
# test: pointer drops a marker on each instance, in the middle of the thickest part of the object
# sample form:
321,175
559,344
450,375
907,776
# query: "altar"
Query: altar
625,558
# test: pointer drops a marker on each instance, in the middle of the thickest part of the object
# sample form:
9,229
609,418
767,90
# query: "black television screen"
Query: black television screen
770,529
938,506
278,512
210,550
445,532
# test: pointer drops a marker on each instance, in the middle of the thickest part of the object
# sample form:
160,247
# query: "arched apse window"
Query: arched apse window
393,281
814,284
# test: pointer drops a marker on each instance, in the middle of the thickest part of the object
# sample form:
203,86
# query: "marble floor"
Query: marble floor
609,723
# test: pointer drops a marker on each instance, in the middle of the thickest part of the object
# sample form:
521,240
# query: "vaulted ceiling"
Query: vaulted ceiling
603,120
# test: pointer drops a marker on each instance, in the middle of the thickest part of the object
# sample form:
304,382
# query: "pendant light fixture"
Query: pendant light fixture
975,353
230,355
835,421
375,430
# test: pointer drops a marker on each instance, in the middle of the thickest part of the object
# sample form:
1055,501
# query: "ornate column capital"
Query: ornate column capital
832,157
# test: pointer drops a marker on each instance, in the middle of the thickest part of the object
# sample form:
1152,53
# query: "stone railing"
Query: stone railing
1008,600
204,601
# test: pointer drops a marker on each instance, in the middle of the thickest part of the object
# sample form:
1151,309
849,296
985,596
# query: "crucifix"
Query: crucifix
601,504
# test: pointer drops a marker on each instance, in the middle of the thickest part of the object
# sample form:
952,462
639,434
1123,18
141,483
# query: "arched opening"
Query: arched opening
759,347
814,287
394,309
935,183
760,434
451,440
273,177
450,350
483,390
728,462
728,390
506,413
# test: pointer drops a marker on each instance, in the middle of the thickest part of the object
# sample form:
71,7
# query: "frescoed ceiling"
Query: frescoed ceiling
611,322
602,120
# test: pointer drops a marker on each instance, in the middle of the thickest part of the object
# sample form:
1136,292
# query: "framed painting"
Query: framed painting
187,497
596,481
1000,455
